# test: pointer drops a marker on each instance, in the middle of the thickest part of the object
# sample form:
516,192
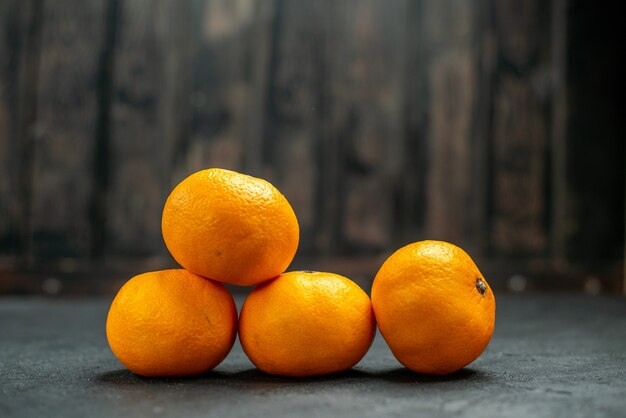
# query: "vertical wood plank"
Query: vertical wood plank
359,83
521,131
366,82
253,96
219,87
443,134
290,110
332,137
596,130
149,76
450,32
266,27
559,214
101,160
410,192
67,111
9,57
31,20
477,228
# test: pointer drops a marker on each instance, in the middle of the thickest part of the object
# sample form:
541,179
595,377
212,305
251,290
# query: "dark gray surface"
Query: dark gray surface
551,356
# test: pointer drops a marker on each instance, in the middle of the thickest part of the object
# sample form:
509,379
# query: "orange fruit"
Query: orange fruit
306,324
434,308
230,227
171,323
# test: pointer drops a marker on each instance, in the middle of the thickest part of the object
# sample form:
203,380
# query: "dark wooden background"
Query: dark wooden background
492,124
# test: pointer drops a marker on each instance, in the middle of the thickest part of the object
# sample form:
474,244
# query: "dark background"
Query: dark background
496,125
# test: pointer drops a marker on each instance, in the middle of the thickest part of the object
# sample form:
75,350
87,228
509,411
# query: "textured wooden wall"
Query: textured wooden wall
491,124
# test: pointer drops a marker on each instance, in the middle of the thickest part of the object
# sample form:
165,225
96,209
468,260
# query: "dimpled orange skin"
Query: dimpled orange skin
230,227
171,323
306,324
429,308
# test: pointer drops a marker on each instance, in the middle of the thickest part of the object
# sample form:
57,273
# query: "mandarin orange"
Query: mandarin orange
171,323
306,324
230,227
433,306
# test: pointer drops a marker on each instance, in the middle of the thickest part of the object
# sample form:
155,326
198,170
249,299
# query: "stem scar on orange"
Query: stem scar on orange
433,306
230,227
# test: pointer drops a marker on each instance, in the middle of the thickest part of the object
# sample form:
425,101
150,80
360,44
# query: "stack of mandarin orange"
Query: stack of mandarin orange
432,305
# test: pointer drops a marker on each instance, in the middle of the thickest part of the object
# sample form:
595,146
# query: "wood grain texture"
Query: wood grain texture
263,67
522,104
65,130
360,132
558,173
367,76
144,121
492,124
410,189
10,39
449,38
218,89
335,125
286,76
477,230
30,23
596,133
